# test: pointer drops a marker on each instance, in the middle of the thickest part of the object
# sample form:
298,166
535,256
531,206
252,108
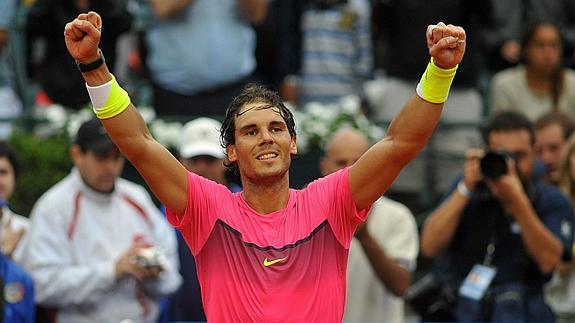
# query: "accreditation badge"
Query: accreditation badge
477,281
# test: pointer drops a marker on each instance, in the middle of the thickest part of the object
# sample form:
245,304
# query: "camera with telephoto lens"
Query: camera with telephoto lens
494,164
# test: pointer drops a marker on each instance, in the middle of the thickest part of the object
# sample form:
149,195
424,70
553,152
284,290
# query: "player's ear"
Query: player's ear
231,152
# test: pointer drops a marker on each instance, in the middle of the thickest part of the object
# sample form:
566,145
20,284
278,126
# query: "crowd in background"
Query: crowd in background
514,91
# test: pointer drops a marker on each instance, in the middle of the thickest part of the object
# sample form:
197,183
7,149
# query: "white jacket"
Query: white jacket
75,238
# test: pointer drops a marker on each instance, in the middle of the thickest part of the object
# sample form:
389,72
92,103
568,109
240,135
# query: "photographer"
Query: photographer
500,231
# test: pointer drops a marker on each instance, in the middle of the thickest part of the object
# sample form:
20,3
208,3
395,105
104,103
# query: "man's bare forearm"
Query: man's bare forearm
392,275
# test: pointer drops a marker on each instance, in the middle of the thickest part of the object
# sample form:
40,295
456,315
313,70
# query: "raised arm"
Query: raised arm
410,130
161,170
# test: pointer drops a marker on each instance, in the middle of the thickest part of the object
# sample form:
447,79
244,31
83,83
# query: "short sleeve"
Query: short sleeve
332,196
206,199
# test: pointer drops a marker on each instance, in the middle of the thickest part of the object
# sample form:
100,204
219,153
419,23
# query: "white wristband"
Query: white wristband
463,190
99,94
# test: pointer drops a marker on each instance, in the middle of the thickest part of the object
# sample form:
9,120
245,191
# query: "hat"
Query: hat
93,136
201,136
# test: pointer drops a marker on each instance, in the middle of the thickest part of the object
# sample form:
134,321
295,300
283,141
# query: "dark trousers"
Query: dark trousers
212,102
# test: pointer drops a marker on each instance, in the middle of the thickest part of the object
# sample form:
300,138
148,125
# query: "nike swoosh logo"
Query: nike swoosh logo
268,263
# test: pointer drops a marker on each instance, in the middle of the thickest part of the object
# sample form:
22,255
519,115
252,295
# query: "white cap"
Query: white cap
201,136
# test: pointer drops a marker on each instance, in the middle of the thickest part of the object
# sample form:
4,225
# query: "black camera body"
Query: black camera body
494,164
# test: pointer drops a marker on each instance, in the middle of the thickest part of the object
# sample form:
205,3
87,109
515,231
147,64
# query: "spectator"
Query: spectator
504,43
509,231
44,23
336,57
540,83
201,153
383,254
551,133
10,104
560,291
13,226
99,250
211,56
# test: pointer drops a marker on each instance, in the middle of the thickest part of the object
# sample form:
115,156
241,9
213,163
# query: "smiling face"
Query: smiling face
263,144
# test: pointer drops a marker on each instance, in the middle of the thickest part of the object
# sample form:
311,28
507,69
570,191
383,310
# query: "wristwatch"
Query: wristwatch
85,68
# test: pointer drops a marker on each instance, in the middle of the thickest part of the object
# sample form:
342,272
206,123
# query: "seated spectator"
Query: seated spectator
99,250
540,83
551,133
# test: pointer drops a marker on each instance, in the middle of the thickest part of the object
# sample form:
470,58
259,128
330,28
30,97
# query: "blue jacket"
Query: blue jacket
18,292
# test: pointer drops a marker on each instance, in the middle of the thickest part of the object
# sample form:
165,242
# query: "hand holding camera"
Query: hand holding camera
498,171
140,263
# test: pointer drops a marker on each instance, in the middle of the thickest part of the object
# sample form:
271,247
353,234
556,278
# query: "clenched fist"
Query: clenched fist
82,37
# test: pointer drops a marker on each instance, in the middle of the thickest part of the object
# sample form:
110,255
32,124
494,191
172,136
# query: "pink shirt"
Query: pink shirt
286,266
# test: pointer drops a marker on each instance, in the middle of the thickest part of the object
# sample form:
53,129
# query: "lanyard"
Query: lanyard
489,252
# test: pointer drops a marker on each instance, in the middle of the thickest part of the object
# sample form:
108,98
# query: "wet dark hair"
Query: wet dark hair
508,121
10,153
527,35
252,93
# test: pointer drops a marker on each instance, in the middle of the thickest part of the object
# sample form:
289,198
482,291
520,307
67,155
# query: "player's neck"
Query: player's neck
266,198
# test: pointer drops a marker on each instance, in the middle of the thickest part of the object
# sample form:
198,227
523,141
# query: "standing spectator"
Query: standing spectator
211,53
551,133
383,254
560,291
201,153
44,24
13,226
99,250
540,83
336,57
10,104
507,230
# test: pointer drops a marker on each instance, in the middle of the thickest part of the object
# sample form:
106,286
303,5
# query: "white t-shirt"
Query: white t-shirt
509,91
368,300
